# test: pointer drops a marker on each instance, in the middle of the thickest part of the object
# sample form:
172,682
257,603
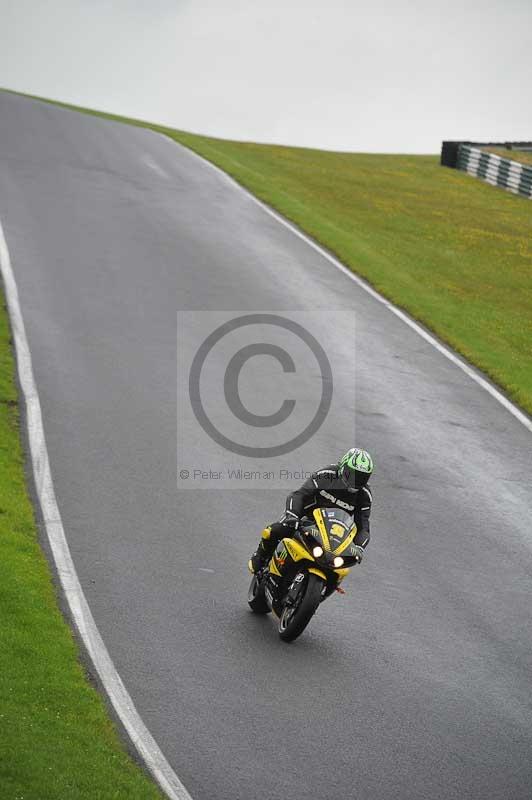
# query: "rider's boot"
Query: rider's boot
262,554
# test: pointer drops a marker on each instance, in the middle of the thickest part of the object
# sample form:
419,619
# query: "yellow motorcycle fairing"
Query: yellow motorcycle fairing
290,551
287,549
272,567
294,551
297,551
318,572
318,516
342,572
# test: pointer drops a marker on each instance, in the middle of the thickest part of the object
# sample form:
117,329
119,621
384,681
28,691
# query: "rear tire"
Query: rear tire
256,600
293,623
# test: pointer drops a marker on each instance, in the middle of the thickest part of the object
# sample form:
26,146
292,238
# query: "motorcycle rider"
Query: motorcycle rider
342,485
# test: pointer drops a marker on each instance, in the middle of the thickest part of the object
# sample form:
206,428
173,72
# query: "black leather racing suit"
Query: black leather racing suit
324,489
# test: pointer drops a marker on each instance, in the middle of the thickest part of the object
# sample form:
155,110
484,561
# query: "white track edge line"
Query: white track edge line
123,705
441,348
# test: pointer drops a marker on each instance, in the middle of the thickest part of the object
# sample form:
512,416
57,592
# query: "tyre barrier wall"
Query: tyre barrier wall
510,175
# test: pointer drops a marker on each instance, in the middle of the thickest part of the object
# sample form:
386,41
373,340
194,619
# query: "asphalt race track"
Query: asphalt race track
415,684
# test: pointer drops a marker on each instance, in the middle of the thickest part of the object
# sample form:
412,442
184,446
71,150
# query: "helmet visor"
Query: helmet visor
353,480
361,478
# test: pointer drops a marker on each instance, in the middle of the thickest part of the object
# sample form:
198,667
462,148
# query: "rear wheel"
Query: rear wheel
257,601
295,617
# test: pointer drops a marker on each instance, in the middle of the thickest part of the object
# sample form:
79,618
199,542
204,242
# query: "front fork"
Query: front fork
294,589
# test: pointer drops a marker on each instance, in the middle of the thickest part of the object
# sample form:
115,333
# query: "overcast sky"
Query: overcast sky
365,76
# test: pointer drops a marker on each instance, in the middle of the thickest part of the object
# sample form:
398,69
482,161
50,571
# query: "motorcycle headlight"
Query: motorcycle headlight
318,551
338,561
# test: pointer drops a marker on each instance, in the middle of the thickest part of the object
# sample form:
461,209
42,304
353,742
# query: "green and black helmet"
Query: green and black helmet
355,468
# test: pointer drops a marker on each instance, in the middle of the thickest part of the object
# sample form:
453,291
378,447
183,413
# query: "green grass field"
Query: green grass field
453,251
56,739
514,155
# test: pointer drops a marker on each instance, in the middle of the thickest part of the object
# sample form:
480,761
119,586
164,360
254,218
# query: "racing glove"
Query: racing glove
290,520
359,553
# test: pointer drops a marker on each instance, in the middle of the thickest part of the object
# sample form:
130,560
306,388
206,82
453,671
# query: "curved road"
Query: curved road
416,683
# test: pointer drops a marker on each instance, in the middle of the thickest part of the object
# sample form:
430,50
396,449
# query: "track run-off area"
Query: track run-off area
416,682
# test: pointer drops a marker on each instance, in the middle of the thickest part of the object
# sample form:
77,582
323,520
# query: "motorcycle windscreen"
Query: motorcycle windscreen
339,526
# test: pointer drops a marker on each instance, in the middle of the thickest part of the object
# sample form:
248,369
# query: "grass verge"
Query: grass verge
453,251
56,739
523,156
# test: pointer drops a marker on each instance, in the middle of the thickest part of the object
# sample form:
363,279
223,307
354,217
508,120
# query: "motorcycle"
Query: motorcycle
305,569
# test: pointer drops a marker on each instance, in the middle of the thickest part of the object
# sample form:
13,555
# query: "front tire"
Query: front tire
294,619
256,600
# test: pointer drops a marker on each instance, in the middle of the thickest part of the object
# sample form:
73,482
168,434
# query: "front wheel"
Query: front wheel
256,600
295,618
